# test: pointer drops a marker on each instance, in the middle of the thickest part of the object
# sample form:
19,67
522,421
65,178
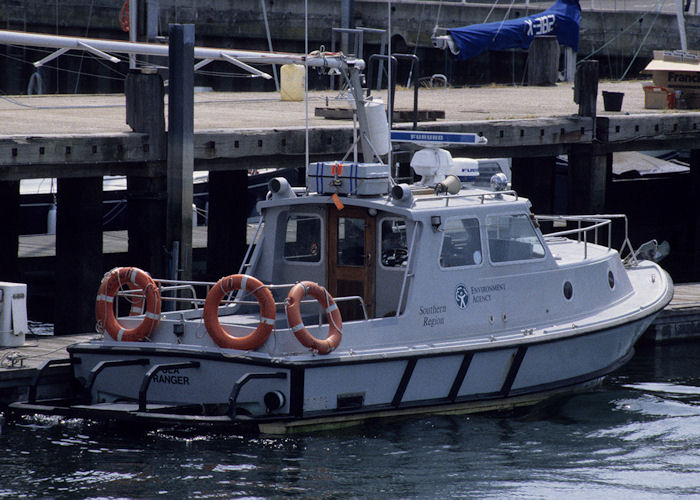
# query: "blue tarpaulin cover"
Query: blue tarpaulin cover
561,19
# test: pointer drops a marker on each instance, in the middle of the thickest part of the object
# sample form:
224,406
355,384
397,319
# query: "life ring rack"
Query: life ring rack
135,279
335,321
211,312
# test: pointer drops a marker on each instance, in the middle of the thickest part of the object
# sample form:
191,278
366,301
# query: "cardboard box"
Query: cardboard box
675,70
659,97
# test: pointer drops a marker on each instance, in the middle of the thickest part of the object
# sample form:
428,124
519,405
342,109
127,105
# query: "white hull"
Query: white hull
335,392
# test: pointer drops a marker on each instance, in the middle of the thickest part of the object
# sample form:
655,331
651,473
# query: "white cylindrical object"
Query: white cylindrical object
292,82
378,126
13,314
51,220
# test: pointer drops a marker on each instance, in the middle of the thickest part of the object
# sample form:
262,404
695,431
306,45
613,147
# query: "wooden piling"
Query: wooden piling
534,179
226,237
9,229
587,182
586,88
79,266
588,172
695,217
146,185
543,61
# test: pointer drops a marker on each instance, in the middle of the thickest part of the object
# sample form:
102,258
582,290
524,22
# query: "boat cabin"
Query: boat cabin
476,249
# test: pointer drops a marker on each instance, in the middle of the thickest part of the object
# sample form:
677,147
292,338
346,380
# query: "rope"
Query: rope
82,53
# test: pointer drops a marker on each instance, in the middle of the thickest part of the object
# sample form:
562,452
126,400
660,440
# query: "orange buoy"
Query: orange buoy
335,321
267,312
134,279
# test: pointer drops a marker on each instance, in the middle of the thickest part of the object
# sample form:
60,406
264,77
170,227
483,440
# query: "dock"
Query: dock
20,365
680,320
79,139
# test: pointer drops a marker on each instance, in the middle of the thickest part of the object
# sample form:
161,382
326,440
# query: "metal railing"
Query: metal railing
588,226
196,302
481,196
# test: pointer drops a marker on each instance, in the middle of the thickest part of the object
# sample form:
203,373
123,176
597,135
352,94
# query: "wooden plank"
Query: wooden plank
399,115
123,153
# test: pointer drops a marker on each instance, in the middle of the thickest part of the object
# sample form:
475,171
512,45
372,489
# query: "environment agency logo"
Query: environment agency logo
462,296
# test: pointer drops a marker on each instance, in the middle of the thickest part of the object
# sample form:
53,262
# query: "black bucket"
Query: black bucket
612,101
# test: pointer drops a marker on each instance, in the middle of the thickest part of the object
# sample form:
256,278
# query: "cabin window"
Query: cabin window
512,238
394,244
303,238
461,243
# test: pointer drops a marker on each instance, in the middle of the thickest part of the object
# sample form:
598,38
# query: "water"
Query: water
637,436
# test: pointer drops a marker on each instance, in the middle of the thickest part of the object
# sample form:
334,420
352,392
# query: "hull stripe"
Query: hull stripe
461,374
405,379
514,368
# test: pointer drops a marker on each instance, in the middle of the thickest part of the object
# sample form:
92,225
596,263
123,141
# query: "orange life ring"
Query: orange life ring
135,279
267,312
335,321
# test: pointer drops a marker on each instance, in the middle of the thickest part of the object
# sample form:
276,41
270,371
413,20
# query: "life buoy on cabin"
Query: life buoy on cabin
335,321
134,279
267,312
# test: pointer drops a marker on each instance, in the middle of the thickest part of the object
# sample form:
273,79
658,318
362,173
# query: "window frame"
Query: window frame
321,239
481,243
380,242
537,235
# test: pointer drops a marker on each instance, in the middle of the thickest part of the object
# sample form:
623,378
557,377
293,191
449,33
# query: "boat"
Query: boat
362,298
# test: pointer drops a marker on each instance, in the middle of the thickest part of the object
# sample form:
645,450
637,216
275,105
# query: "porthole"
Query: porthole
568,290
611,279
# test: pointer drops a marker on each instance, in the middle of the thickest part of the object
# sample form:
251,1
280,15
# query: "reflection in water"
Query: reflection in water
636,436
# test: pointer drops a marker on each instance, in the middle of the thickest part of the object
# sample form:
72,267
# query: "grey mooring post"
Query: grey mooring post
180,149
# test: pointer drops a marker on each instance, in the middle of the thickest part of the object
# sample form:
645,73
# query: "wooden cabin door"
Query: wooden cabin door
351,260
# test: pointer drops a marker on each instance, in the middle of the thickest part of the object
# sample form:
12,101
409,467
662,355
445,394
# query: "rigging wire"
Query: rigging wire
627,28
504,20
493,6
82,53
634,57
306,83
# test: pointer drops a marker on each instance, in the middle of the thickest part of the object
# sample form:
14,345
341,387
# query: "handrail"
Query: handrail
41,371
596,222
146,382
233,398
408,272
111,363
447,197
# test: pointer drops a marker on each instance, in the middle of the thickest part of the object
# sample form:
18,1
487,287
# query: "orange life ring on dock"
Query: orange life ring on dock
135,279
267,312
335,321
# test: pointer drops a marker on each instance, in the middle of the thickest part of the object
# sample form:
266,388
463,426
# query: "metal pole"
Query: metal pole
133,29
180,147
269,44
681,25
